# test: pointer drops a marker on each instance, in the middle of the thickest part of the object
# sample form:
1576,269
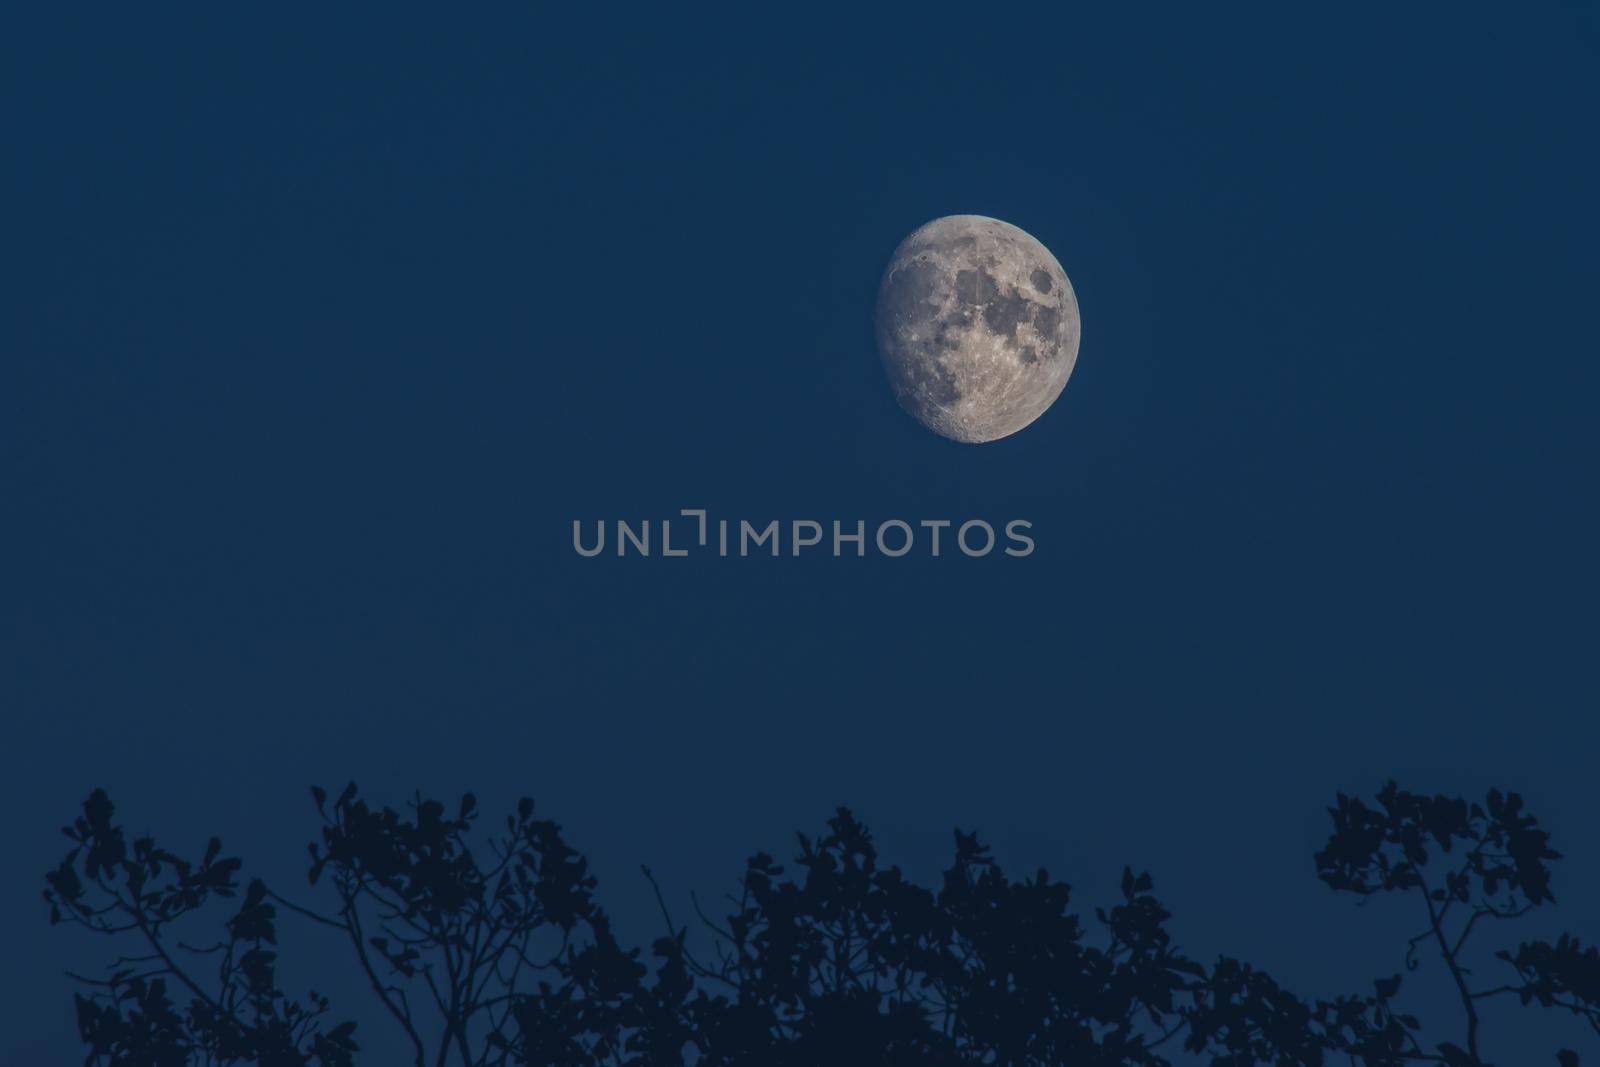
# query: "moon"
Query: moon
978,327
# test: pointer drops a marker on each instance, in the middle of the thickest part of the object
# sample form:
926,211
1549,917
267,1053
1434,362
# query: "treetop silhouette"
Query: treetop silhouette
490,949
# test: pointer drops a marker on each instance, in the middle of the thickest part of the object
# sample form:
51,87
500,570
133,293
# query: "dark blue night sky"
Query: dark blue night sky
319,326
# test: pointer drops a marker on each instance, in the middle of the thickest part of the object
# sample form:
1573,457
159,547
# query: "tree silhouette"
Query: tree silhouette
147,892
491,950
985,970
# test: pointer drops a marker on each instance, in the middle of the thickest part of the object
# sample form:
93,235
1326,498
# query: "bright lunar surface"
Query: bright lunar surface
978,327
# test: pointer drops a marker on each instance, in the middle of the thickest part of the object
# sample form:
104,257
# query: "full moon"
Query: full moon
978,327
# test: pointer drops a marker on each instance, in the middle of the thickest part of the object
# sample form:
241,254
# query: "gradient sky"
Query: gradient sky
318,328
